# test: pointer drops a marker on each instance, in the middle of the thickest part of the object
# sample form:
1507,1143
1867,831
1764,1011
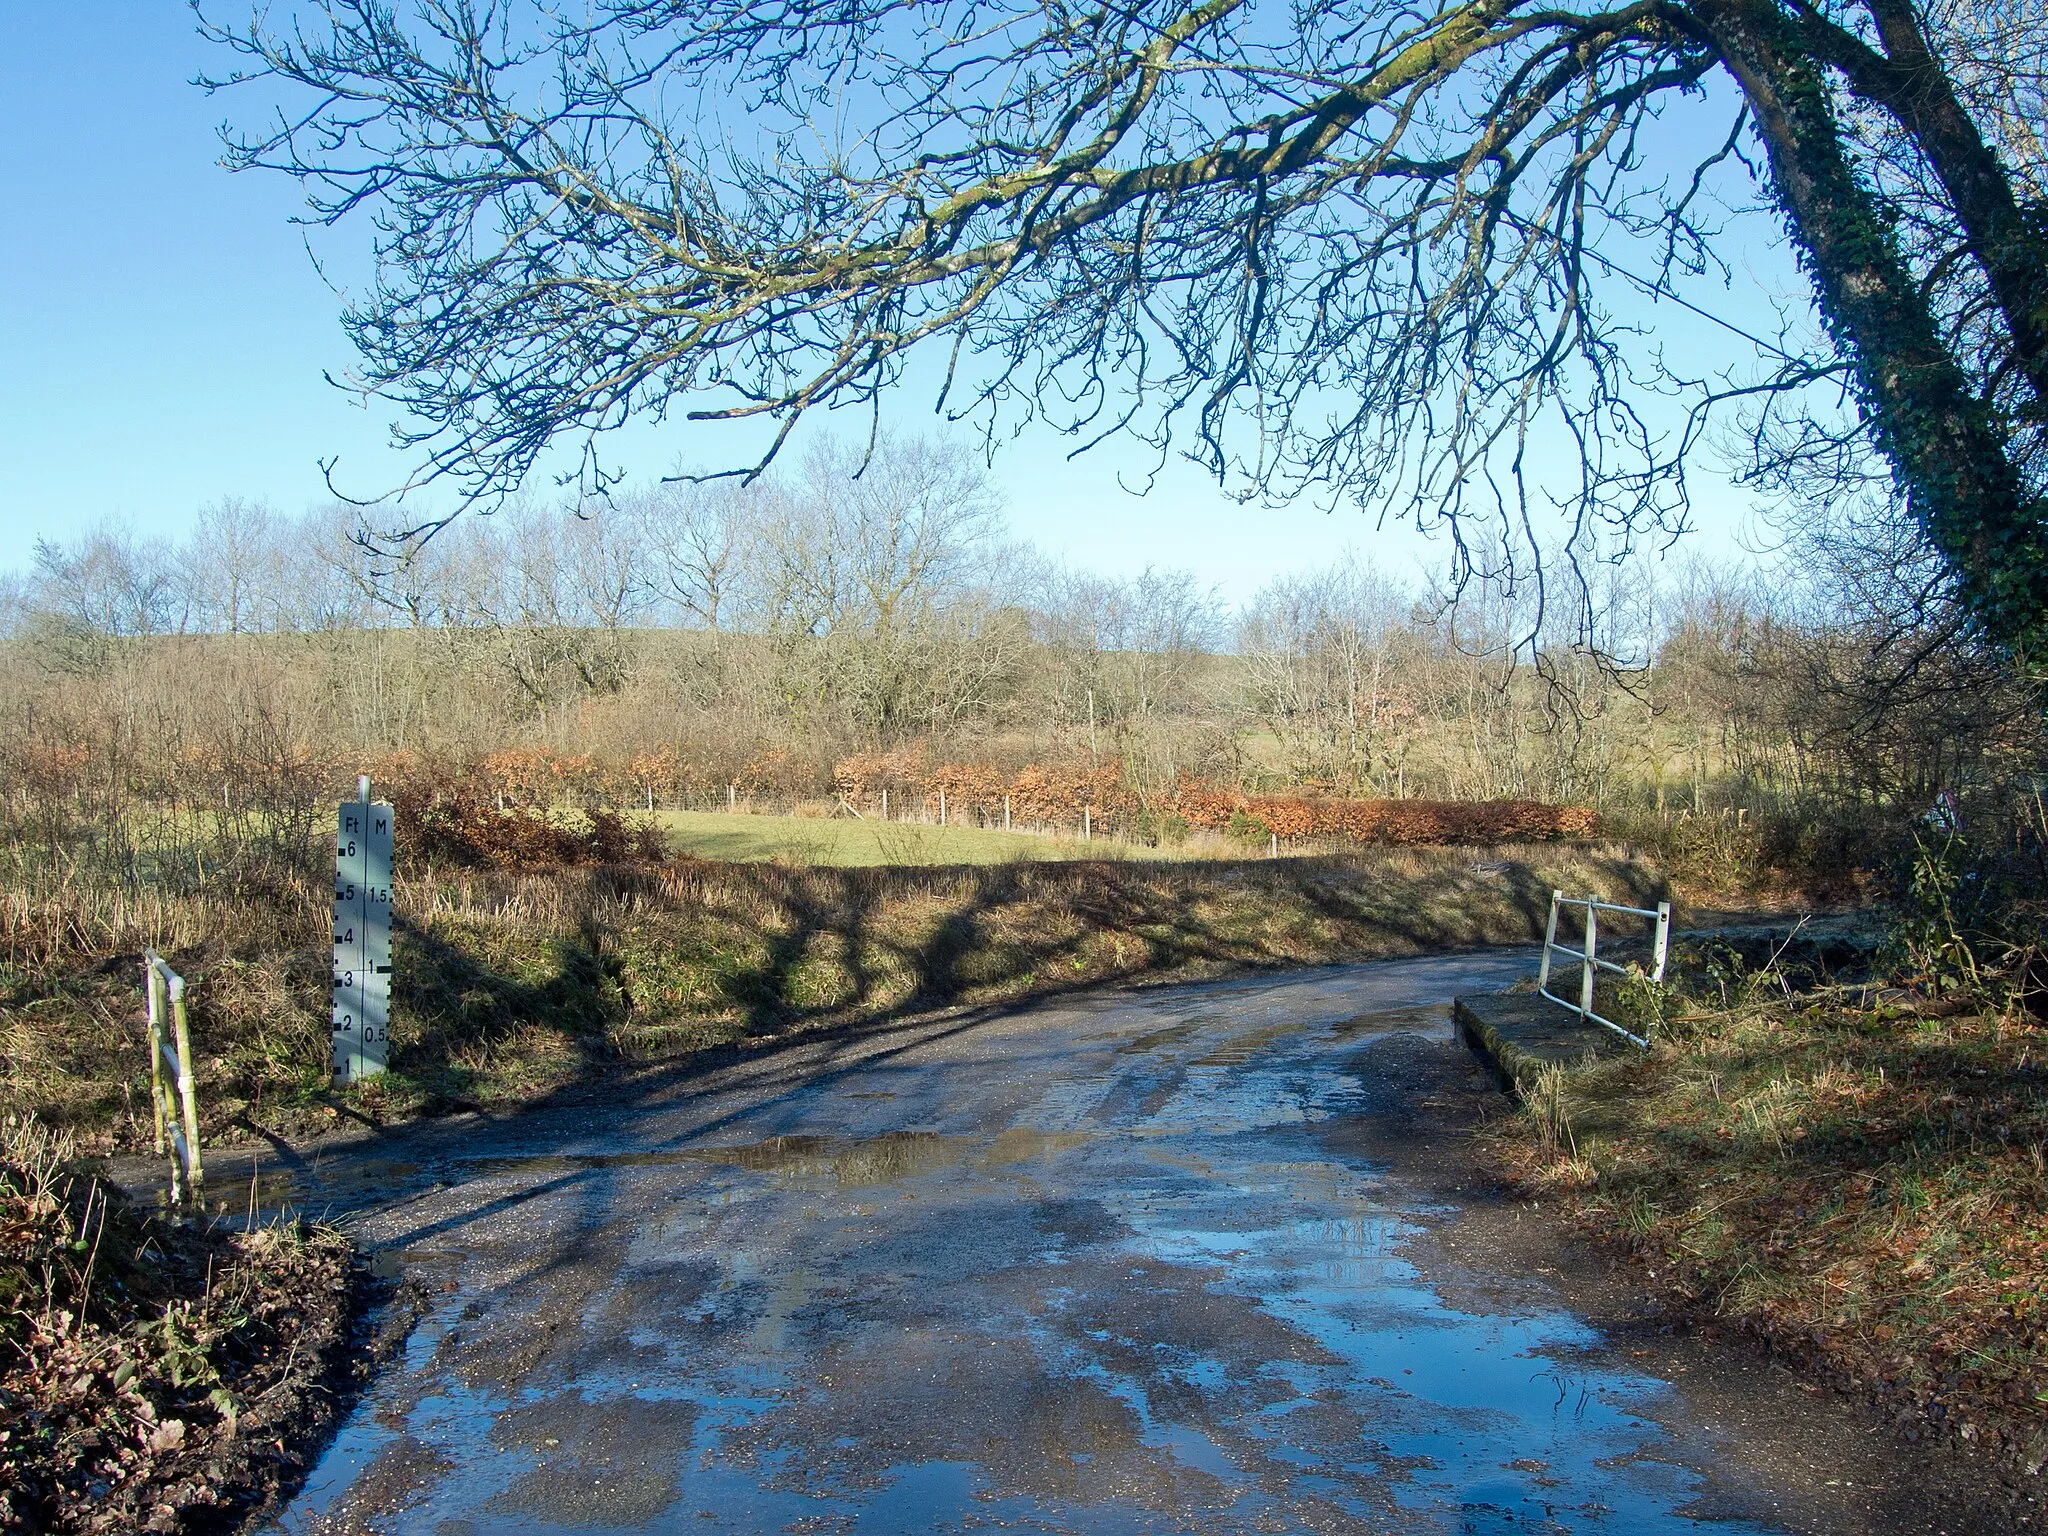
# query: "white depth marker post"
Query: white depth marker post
362,937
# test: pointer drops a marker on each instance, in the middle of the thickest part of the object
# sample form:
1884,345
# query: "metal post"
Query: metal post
1549,939
1587,972
195,1175
1663,939
362,938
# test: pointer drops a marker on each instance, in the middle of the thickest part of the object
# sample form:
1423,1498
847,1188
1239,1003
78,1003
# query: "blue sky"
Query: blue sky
164,333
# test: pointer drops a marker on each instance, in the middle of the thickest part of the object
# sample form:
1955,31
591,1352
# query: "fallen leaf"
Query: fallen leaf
169,1435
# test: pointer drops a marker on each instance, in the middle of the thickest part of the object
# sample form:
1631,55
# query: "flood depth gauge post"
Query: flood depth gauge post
362,936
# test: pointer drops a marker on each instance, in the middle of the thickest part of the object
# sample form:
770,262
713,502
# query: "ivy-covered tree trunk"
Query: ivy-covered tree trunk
2009,241
1947,446
2007,238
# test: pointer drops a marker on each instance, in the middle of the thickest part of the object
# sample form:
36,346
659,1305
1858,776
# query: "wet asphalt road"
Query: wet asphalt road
1104,1264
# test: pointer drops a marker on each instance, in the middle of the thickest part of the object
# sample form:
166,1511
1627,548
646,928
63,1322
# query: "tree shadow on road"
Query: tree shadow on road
505,1001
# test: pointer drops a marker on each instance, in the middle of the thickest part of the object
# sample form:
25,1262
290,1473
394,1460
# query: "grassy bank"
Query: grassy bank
1856,1177
509,986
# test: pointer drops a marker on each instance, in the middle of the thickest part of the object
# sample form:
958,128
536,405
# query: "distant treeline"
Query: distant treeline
166,706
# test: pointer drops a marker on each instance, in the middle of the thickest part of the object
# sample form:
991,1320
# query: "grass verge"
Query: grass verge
842,842
509,986
153,1376
1859,1182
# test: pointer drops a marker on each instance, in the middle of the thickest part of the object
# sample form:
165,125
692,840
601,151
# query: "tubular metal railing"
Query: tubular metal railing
1590,963
175,1102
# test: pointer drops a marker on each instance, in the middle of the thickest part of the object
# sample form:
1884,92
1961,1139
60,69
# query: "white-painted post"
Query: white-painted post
885,802
1549,939
174,1092
1272,845
1663,939
195,1174
154,984
160,1092
1087,825
732,799
942,807
1006,813
1592,943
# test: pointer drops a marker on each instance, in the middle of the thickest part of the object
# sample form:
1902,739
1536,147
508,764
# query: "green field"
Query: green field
845,843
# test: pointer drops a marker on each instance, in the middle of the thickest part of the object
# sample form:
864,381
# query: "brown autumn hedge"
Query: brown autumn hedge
1421,822
459,823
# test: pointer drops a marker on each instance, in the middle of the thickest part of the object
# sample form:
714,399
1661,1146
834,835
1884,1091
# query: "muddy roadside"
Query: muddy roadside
168,1374
1820,1457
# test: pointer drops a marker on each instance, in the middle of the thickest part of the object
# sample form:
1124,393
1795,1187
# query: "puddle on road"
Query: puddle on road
1172,1034
1242,1050
848,1162
1432,1019
1193,1315
851,1161
854,1164
271,1191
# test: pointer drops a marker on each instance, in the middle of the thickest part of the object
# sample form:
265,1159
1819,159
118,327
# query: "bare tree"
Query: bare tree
231,567
1124,661
701,543
551,592
868,574
14,604
1356,245
318,576
1870,673
1319,652
106,585
879,534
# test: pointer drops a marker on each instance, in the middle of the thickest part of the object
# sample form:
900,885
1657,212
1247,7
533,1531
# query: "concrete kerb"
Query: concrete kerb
1517,1036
